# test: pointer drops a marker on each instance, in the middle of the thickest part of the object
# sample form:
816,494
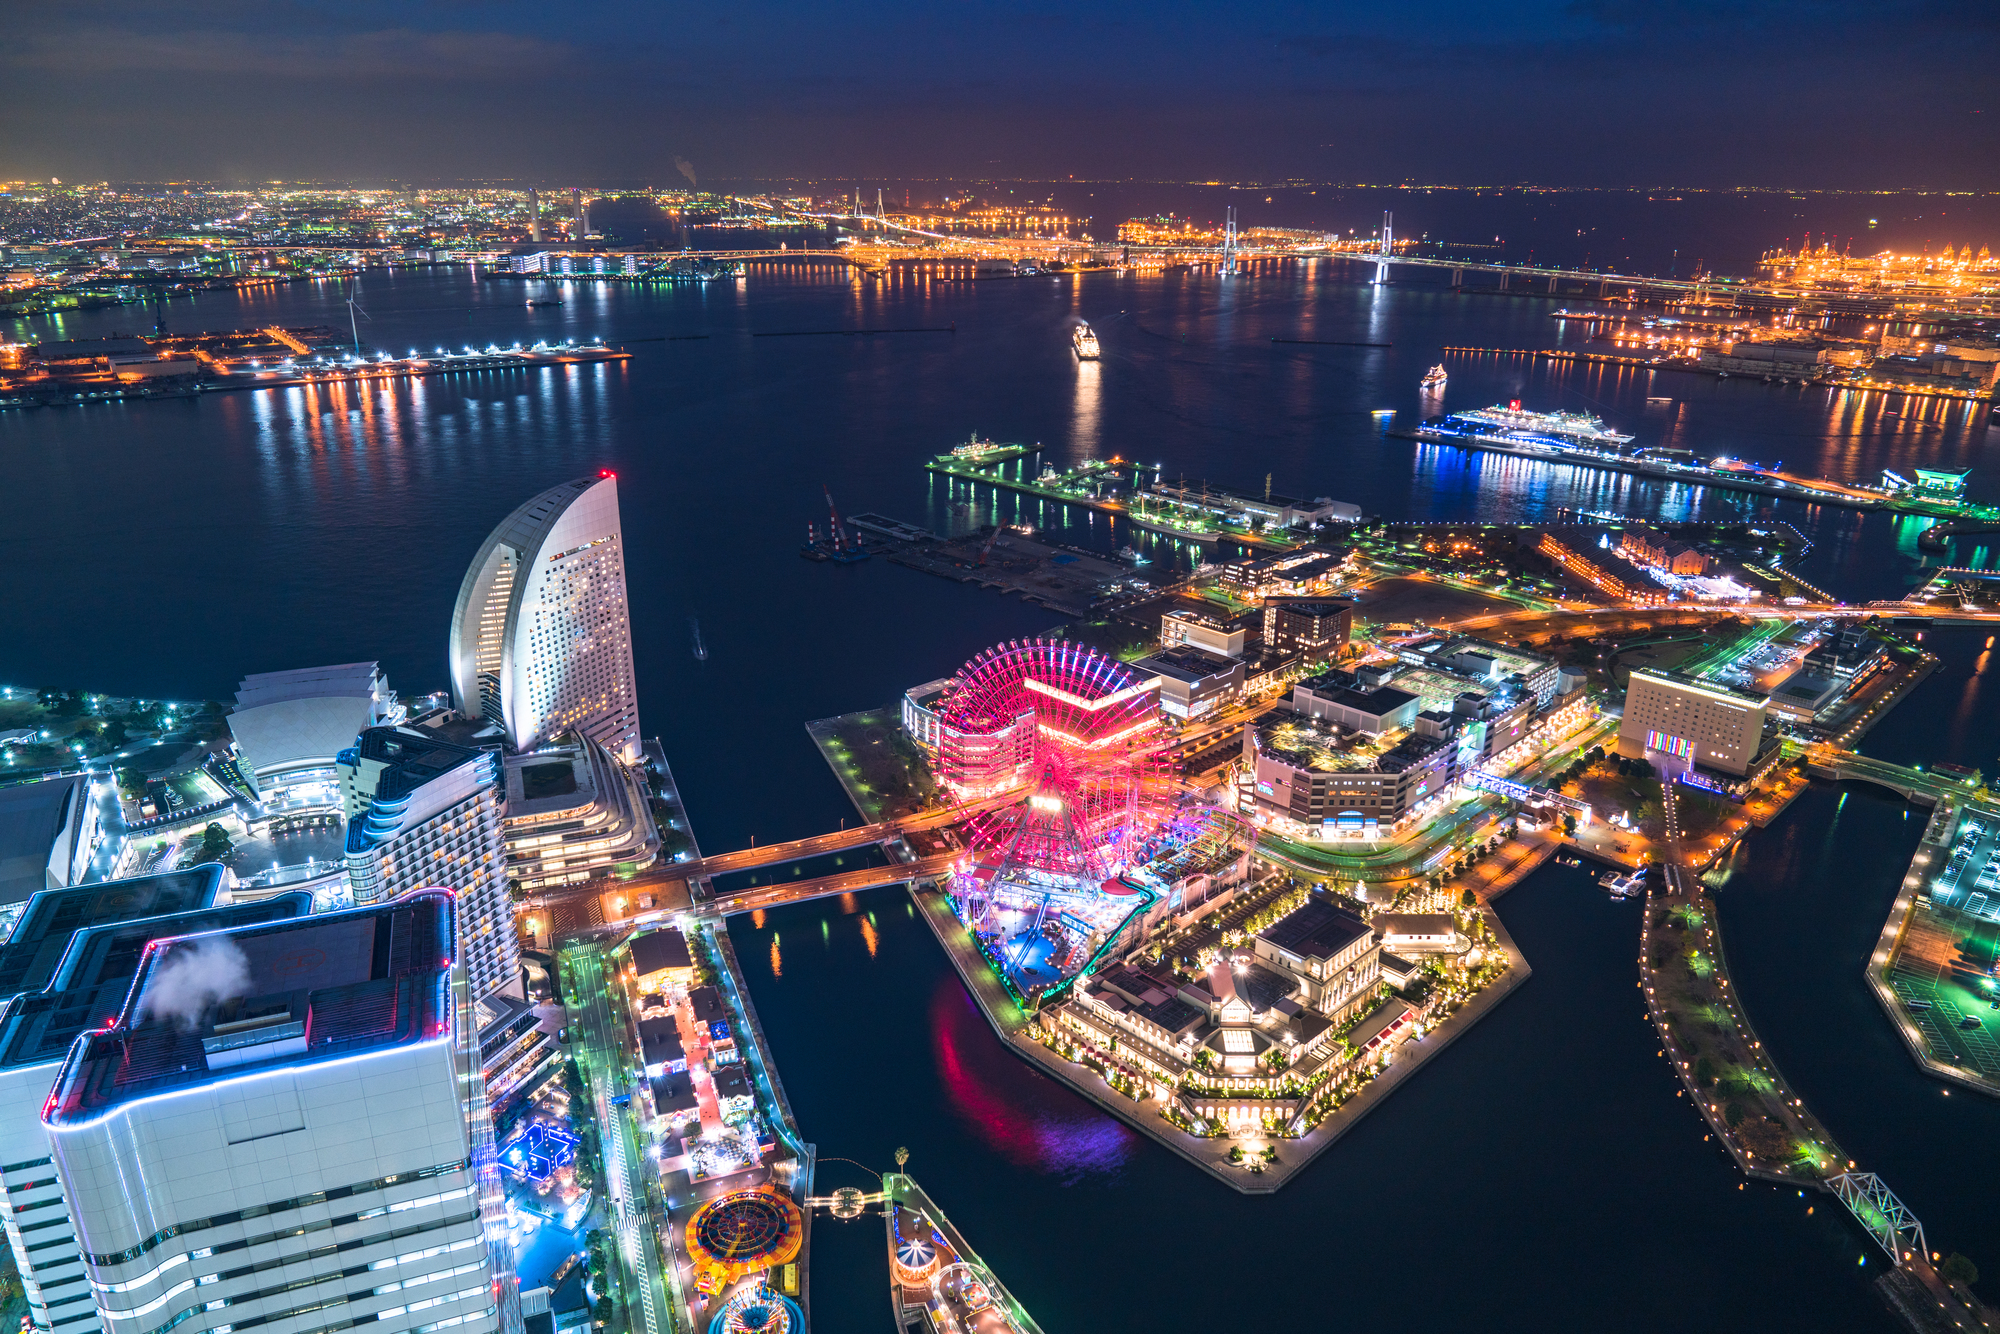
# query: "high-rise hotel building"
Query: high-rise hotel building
421,811
285,1127
541,637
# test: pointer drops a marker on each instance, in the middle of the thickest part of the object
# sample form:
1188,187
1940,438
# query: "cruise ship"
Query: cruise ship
1433,380
1085,343
1554,430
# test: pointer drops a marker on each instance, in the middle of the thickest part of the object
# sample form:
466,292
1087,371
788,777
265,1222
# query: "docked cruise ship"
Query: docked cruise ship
1085,343
1561,430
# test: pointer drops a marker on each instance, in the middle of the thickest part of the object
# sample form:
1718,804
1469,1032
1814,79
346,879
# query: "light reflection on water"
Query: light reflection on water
1072,1145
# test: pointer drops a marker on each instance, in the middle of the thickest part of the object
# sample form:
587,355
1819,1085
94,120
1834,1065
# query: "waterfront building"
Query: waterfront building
919,709
573,811
67,964
1325,782
1570,561
1271,510
1289,574
1692,721
48,834
1195,628
285,1125
541,637
1331,953
288,727
1662,552
1193,681
420,812
1794,360
1314,629
1419,933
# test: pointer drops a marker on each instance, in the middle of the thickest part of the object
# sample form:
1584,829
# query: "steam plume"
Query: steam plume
687,170
194,977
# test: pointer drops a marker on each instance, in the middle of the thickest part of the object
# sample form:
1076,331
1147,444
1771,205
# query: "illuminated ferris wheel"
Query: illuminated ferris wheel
1074,731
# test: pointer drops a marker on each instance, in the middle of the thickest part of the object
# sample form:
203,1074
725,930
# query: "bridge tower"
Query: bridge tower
1388,247
1229,244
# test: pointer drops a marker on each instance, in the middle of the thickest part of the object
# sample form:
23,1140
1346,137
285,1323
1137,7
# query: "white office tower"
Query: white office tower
424,812
67,964
541,638
285,1127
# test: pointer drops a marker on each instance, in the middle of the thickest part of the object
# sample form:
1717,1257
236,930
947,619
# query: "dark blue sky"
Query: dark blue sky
1831,93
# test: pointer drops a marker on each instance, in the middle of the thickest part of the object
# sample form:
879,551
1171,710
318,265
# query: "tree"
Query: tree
1957,1269
216,844
1468,900
1704,1072
132,782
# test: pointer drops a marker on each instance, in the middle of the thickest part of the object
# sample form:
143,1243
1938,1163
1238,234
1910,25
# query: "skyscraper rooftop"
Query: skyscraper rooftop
225,1003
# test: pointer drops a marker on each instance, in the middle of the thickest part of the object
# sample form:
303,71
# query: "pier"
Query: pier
1805,490
332,374
1069,488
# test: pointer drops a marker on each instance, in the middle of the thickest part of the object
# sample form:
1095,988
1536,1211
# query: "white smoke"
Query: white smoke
192,978
687,169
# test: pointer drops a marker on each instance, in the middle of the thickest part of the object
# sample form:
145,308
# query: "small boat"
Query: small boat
1622,885
1084,342
1131,554
700,649
544,301
1433,380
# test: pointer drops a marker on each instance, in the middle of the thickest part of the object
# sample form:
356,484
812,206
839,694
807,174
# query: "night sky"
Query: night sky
1826,93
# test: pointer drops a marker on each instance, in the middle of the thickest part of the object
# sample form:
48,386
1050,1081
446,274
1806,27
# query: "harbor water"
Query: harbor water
1541,1173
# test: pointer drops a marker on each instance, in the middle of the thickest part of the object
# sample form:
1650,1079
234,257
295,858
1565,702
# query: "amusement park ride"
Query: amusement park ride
1049,877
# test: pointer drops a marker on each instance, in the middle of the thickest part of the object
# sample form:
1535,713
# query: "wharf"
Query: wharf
1686,474
362,373
1060,579
1067,489
1651,364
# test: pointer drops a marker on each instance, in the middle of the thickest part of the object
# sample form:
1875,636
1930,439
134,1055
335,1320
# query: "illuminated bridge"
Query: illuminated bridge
1924,789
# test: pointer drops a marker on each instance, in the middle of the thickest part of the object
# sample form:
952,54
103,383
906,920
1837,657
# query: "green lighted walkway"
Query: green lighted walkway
597,1024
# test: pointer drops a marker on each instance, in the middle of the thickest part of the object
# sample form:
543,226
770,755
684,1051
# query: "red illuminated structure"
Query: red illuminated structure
1074,731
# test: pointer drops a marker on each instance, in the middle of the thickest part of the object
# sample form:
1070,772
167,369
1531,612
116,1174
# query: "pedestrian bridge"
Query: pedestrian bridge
1915,785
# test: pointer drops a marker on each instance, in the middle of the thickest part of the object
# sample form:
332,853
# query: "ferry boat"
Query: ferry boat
977,451
1551,430
1128,553
1433,380
543,301
1085,343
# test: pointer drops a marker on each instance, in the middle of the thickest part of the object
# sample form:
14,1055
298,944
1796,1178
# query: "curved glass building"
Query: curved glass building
541,638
